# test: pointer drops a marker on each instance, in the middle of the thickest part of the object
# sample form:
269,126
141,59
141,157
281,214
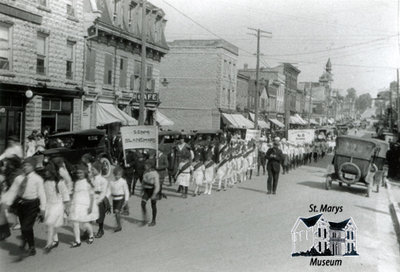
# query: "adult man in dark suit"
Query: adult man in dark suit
275,157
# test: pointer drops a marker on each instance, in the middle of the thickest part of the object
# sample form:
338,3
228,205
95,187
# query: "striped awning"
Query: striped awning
237,121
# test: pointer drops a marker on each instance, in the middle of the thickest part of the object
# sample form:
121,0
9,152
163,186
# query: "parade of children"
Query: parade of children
78,198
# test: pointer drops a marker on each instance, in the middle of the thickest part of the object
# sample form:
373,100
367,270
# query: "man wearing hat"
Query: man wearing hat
14,149
275,157
27,193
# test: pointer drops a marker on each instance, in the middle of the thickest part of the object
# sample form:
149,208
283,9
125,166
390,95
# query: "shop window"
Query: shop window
5,47
57,114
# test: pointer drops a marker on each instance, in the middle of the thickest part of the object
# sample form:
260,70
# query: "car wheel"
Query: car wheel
106,167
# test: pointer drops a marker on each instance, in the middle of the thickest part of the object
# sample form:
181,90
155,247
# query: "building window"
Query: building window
41,54
319,246
324,233
352,235
348,247
135,78
149,78
229,98
108,68
123,65
71,8
352,247
326,246
90,65
333,235
348,234
57,114
70,59
319,232
5,47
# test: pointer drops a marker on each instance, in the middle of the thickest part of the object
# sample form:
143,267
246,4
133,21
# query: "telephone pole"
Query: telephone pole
143,70
310,107
257,102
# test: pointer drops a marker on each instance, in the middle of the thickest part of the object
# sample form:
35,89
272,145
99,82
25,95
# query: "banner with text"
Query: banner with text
301,136
253,134
138,137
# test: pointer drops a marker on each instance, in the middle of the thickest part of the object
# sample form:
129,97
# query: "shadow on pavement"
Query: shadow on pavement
371,209
359,190
253,190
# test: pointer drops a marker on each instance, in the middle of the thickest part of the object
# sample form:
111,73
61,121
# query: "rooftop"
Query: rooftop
214,43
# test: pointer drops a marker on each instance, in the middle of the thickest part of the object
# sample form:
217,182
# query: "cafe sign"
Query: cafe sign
148,97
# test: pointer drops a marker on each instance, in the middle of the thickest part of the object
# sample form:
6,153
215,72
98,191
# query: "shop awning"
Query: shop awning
163,120
237,121
312,121
276,122
303,122
294,120
109,113
261,123
331,121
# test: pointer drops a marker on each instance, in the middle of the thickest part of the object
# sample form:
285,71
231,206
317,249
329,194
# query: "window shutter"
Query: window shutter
132,82
107,69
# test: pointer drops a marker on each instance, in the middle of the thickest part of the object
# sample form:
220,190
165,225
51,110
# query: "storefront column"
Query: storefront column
77,114
33,116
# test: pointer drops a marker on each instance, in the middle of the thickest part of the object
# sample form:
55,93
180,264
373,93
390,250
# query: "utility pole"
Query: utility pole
398,102
143,70
390,110
310,107
257,102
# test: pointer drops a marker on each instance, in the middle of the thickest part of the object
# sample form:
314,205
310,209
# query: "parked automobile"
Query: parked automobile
167,139
354,157
202,136
73,145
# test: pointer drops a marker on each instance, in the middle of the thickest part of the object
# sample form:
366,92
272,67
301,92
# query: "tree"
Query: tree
363,102
351,94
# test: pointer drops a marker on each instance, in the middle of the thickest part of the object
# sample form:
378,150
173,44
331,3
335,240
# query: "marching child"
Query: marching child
57,196
209,173
184,174
198,175
120,194
221,172
100,189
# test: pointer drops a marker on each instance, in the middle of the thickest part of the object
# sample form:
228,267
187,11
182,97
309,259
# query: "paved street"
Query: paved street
242,229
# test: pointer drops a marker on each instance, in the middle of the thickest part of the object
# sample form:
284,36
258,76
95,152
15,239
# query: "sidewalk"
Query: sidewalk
393,189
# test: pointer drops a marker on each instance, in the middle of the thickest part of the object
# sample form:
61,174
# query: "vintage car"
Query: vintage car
167,140
73,145
204,136
353,162
380,163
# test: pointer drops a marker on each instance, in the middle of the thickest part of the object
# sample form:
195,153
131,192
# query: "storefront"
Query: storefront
57,114
12,111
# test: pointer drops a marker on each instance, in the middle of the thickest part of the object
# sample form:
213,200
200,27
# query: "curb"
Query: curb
394,210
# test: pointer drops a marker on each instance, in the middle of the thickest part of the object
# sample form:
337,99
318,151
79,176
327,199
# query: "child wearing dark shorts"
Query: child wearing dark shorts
119,192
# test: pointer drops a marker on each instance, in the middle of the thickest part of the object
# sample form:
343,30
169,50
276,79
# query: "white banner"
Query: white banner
301,136
137,137
253,134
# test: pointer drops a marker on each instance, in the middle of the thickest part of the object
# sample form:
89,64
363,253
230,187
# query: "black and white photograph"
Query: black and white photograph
209,136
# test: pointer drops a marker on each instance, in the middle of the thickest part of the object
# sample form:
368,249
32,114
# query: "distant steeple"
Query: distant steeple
328,66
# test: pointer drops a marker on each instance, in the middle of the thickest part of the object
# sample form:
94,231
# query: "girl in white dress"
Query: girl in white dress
84,208
57,197
209,173
31,146
198,176
184,174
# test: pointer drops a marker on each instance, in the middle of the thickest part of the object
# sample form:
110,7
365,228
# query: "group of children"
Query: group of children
235,164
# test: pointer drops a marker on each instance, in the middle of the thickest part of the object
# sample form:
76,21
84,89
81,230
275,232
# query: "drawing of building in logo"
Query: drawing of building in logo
314,236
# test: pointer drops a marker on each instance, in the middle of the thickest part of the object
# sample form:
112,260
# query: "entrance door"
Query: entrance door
10,125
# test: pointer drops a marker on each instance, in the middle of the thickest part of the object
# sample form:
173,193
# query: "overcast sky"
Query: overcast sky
360,36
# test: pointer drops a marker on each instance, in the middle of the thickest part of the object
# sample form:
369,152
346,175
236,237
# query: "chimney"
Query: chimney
245,66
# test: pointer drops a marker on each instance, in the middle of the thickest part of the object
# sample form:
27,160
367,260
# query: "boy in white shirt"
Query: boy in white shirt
120,193
100,189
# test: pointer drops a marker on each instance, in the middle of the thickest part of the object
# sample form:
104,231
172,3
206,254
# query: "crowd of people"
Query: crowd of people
78,195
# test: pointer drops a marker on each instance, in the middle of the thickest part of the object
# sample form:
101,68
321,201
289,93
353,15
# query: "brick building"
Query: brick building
41,54
202,83
272,108
113,59
242,92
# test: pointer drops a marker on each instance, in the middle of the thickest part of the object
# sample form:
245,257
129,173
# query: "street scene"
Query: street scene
172,135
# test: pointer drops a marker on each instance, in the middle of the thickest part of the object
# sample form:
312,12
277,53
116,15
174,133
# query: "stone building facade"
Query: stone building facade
202,83
113,57
41,54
